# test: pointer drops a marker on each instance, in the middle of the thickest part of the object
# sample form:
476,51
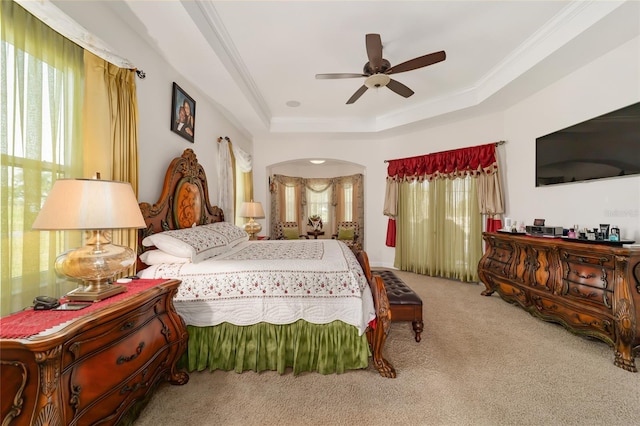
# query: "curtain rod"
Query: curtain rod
496,144
226,138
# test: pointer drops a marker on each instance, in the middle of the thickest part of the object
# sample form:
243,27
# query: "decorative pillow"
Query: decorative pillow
197,243
233,234
346,233
290,233
156,257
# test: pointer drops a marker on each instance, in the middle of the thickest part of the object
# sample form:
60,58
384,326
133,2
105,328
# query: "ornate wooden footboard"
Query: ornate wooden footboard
377,334
184,202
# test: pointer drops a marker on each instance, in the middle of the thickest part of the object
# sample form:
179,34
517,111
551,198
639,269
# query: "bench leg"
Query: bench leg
418,328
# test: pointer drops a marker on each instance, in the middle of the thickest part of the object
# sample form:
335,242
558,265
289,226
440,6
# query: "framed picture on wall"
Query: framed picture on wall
183,113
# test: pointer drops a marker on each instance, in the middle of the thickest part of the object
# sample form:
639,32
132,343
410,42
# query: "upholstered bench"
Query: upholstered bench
405,304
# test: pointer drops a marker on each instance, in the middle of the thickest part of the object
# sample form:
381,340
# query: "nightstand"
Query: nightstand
92,365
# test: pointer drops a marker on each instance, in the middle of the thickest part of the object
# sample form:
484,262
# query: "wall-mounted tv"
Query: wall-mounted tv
603,147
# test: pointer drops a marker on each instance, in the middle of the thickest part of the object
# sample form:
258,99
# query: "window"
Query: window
347,199
290,204
318,202
336,199
41,97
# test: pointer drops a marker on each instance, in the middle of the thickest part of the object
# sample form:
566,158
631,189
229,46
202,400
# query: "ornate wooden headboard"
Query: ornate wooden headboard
184,200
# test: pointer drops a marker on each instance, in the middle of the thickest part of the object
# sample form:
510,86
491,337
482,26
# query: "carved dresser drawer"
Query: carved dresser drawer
585,269
97,367
576,320
592,289
499,257
588,277
91,341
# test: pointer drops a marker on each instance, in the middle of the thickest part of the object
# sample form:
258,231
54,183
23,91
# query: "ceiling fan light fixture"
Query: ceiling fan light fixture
377,80
316,161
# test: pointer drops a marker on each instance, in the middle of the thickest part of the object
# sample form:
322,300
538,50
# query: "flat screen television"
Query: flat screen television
603,147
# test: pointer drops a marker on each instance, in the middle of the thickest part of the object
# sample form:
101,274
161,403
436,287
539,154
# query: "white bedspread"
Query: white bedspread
278,282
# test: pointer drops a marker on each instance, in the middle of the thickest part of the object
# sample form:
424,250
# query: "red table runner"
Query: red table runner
29,322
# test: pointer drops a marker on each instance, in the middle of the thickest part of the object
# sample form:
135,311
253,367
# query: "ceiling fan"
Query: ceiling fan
378,69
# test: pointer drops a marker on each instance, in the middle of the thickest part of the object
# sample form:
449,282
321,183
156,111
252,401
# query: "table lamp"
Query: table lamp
95,206
252,210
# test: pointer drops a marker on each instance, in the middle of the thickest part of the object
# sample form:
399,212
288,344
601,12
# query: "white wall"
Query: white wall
607,84
158,145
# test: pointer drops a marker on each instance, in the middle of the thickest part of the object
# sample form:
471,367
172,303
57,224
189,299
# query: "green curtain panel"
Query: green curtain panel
439,228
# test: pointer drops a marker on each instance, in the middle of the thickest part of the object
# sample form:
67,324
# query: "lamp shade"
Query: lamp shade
90,204
252,209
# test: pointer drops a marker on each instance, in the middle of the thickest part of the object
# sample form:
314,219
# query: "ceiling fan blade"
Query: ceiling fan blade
338,75
399,88
374,51
419,62
357,95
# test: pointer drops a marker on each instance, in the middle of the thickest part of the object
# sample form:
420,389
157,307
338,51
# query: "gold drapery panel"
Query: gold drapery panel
110,129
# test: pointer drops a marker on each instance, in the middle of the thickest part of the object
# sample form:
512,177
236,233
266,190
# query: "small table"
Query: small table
315,234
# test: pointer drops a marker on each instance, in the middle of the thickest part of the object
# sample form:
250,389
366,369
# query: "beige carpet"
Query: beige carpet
481,361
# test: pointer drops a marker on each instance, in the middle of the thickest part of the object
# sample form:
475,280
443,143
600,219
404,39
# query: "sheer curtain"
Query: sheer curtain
244,180
41,94
435,203
226,174
439,228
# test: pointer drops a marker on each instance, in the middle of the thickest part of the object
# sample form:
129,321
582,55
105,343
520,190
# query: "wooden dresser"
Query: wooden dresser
591,289
96,367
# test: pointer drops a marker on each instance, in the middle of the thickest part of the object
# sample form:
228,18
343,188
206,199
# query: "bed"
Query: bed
307,305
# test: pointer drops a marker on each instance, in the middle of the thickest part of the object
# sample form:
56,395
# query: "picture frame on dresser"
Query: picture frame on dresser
183,113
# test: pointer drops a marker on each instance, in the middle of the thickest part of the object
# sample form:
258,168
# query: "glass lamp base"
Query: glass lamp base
96,265
252,228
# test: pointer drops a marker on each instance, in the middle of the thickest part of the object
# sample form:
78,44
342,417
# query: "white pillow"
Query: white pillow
197,243
233,234
156,257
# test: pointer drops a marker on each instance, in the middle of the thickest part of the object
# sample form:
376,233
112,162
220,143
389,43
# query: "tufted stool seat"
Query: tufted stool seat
405,304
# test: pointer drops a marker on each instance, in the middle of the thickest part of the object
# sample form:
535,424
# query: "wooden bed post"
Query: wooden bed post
377,335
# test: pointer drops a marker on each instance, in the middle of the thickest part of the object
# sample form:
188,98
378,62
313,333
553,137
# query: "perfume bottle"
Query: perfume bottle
614,233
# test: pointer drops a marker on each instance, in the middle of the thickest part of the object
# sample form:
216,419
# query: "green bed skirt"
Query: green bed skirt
302,346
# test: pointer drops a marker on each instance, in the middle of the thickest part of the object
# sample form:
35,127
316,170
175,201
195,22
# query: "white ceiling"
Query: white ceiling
251,58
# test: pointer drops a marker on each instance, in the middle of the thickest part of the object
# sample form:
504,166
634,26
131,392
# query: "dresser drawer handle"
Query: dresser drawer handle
122,358
127,326
584,277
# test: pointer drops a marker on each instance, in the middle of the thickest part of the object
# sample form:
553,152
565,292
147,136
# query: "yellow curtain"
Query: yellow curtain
439,228
279,202
339,206
110,117
243,191
41,74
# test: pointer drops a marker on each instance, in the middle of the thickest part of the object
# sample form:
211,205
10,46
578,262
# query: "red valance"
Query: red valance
458,162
